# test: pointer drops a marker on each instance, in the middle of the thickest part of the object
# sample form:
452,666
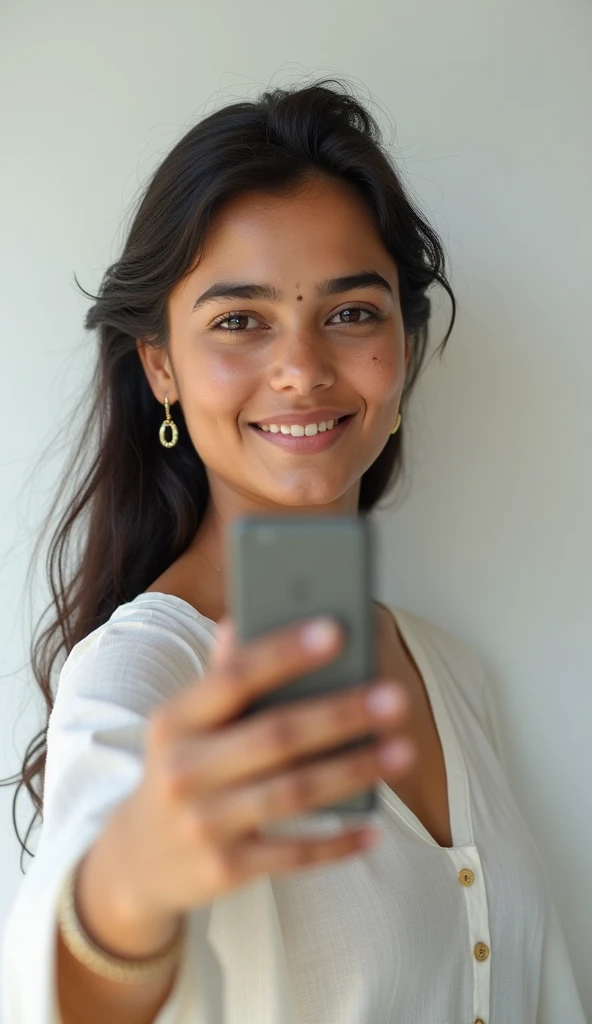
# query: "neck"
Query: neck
199,575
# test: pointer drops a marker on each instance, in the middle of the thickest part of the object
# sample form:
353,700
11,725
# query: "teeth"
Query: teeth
297,431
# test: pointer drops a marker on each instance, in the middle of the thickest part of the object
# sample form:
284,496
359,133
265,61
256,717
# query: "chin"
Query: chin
309,493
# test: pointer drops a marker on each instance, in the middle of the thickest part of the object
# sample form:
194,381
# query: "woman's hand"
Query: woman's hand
191,829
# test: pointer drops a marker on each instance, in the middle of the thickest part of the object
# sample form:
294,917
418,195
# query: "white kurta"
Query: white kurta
408,932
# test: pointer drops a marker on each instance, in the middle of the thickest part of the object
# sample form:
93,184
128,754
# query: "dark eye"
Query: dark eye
231,317
357,309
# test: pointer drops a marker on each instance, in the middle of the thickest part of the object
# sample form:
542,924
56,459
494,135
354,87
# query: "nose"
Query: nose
301,360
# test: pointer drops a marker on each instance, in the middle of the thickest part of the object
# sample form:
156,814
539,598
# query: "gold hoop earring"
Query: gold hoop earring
397,424
168,422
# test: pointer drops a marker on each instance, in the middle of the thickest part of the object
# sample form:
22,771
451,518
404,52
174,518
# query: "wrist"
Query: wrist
109,907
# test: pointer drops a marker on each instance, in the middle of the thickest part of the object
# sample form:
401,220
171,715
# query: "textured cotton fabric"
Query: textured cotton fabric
389,936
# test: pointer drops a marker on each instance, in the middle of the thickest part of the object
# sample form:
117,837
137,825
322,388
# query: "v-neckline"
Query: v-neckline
457,784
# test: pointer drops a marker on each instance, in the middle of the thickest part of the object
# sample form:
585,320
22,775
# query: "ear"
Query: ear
158,370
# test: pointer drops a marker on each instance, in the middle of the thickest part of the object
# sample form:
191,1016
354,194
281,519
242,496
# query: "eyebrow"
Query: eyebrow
331,286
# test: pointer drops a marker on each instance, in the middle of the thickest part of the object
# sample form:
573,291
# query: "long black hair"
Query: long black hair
131,509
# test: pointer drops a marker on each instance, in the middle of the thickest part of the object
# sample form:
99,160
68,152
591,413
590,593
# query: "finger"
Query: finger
278,856
271,739
232,813
224,641
261,665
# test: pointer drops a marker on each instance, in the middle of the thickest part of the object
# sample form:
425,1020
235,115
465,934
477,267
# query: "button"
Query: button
466,877
481,951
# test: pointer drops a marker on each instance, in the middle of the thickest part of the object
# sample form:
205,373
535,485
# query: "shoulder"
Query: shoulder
112,680
459,654
460,667
145,652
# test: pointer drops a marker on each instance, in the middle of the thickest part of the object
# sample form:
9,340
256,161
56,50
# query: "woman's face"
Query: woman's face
234,361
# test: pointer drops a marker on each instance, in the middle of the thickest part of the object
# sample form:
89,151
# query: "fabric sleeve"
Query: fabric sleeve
559,999
558,995
95,745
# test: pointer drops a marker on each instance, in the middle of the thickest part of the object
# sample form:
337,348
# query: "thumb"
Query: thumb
224,640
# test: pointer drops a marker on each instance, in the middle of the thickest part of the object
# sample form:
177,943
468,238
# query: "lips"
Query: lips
335,422
302,415
307,444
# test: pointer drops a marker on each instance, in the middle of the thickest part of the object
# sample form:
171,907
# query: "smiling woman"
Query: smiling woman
291,205
272,296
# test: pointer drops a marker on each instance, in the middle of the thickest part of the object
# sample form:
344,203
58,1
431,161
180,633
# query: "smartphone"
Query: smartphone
283,569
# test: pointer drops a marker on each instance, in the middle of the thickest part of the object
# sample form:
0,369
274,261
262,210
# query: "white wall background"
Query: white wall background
488,114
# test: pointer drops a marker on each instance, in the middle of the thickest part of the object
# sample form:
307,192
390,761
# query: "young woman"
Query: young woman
274,279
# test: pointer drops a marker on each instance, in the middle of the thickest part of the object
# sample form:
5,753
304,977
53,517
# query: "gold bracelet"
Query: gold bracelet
98,960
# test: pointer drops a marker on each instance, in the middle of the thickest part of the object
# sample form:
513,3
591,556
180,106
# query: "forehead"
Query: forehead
303,196
316,226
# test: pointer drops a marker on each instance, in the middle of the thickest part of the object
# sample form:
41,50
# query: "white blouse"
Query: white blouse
407,932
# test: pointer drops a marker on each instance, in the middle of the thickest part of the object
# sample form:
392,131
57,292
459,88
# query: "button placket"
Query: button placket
471,882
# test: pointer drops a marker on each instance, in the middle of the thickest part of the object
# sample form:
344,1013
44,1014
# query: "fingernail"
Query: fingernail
319,634
397,753
383,700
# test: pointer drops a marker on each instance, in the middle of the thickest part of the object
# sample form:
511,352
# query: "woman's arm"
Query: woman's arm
84,996
94,764
558,996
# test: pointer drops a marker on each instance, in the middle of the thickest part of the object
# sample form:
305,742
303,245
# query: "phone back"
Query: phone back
282,569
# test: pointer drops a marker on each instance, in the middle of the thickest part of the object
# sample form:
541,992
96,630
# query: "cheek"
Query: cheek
381,373
217,386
